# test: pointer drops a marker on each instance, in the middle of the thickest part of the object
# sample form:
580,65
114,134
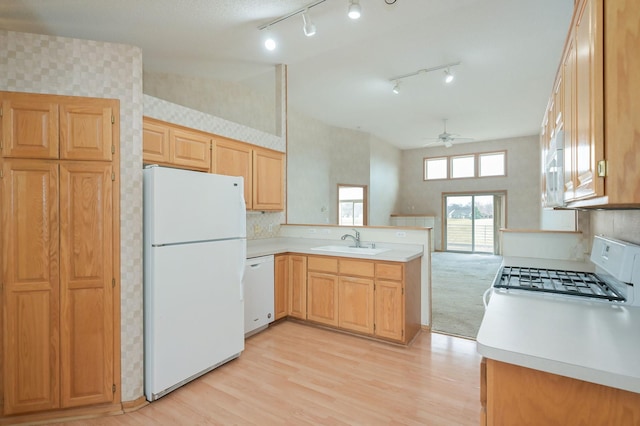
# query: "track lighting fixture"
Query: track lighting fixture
309,28
396,88
446,67
448,77
270,42
354,9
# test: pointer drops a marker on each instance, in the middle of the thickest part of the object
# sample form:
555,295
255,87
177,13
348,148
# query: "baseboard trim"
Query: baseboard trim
134,405
69,414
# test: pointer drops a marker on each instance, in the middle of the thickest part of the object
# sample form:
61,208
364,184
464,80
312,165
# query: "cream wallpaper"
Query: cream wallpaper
522,182
56,65
384,181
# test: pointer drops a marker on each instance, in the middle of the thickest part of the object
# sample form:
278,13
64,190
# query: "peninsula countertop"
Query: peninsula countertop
588,340
396,252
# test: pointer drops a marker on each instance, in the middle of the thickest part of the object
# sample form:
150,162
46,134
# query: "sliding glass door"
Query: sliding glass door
470,224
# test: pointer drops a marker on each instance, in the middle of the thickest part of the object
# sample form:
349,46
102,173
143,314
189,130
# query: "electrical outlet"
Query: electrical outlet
401,234
271,227
311,231
257,229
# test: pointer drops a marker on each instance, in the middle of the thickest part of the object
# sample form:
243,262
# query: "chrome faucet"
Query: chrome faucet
356,239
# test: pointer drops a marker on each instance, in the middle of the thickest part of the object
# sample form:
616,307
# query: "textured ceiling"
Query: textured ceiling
509,52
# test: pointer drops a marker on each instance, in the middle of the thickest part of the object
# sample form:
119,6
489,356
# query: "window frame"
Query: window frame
476,156
365,205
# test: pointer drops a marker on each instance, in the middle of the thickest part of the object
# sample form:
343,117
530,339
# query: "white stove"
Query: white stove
616,278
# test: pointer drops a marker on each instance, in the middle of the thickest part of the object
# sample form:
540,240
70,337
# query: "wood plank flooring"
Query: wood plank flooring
295,374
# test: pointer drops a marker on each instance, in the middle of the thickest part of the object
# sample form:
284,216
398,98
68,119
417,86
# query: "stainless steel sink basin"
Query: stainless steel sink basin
353,250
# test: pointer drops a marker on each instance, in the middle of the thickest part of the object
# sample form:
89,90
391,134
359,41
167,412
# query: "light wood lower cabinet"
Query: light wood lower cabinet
281,283
356,304
297,286
364,296
514,395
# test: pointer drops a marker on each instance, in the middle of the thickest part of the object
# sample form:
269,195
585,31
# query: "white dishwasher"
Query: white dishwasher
258,294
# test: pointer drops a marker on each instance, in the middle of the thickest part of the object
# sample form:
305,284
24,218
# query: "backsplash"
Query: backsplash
620,224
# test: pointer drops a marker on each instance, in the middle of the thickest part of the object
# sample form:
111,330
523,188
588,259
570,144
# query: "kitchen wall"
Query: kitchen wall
63,66
522,182
384,181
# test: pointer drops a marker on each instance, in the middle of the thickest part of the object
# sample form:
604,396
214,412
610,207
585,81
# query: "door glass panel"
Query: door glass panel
470,223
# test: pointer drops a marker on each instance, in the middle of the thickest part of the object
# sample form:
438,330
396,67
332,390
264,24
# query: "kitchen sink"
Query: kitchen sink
353,250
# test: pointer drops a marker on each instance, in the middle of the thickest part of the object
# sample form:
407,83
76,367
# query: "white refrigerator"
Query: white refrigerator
194,257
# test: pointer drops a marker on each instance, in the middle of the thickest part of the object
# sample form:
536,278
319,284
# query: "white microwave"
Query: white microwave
554,171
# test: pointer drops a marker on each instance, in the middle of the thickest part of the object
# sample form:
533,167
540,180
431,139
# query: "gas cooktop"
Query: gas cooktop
584,284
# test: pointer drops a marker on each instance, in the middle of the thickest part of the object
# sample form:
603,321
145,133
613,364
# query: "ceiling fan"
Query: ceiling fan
447,138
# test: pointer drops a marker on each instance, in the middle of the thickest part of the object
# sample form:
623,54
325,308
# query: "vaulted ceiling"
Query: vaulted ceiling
508,51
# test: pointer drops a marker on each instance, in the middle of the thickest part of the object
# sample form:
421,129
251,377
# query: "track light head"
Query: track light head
270,43
354,9
309,28
448,77
396,88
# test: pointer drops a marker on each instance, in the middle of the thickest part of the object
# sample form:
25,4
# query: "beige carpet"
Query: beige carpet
458,281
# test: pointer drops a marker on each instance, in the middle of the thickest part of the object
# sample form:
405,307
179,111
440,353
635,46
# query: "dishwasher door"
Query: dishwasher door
258,294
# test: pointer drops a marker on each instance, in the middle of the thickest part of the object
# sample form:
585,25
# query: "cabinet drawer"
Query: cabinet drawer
356,267
321,263
389,271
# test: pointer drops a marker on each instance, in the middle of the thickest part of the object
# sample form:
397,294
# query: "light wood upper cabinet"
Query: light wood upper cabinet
171,145
86,130
29,126
235,159
601,127
155,145
30,270
268,180
86,274
189,149
48,126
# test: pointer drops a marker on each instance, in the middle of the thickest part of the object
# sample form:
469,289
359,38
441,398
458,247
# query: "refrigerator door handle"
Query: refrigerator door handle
241,264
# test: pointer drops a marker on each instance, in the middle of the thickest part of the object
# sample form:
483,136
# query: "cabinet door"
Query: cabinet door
29,126
569,108
281,293
589,148
322,298
235,159
356,304
268,180
86,274
189,149
389,310
86,130
155,142
31,292
298,286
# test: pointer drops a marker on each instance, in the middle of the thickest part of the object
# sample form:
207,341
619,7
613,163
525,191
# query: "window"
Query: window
352,205
463,167
491,164
435,168
484,164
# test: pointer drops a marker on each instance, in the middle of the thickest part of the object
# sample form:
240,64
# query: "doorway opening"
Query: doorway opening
472,222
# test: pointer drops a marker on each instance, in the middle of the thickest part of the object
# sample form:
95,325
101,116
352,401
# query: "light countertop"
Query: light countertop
264,247
587,340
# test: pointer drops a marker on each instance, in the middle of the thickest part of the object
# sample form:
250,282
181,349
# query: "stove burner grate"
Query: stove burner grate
585,284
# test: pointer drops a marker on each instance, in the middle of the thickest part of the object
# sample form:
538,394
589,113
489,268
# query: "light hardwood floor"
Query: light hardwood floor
302,375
